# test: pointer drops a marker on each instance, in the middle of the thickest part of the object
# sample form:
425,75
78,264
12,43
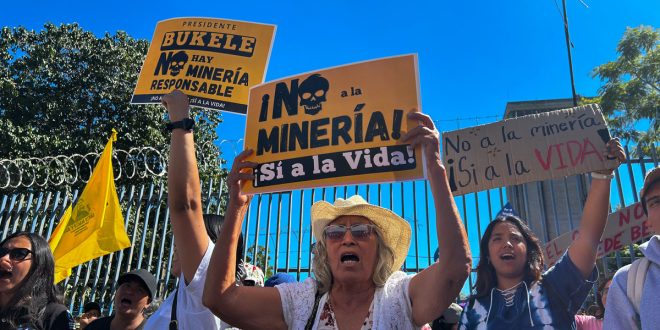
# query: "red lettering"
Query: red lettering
624,215
617,241
575,235
613,243
585,151
557,251
548,158
646,229
548,252
635,233
561,159
575,157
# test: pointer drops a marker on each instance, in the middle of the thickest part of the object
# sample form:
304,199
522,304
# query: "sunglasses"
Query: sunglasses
15,254
337,232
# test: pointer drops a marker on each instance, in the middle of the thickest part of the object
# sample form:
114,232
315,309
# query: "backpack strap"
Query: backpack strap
635,283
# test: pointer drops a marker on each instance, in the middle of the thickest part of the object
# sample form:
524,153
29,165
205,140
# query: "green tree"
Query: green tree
610,261
632,86
63,89
261,260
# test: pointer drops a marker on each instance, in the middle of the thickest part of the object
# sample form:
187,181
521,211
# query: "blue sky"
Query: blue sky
474,56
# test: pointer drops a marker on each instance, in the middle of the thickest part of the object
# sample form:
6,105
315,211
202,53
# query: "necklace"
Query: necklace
509,294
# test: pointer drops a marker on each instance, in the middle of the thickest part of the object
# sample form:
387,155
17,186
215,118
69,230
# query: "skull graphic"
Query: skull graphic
312,93
177,62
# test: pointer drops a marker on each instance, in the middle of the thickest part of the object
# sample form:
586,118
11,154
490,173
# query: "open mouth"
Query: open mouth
349,259
5,274
126,302
507,256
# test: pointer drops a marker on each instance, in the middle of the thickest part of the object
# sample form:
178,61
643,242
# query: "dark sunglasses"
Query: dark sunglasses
337,232
15,254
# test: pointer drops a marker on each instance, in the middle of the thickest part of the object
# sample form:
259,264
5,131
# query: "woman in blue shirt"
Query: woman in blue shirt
512,292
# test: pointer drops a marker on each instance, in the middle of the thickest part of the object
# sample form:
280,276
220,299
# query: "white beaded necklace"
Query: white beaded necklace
509,294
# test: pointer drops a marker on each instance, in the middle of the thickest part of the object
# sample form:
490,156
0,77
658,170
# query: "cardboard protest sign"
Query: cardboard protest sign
335,126
623,227
531,148
214,61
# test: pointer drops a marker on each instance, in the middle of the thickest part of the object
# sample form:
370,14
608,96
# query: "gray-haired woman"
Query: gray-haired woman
356,280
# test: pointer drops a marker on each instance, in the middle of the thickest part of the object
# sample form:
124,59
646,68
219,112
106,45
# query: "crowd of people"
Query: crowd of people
357,281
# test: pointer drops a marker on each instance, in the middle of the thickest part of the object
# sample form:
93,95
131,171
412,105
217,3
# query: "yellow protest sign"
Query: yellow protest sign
214,61
336,126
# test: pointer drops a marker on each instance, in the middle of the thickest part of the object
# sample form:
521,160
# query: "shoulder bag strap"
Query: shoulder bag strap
310,321
174,324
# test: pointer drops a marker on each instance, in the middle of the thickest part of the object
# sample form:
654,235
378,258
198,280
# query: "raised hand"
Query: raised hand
426,135
614,151
177,105
241,170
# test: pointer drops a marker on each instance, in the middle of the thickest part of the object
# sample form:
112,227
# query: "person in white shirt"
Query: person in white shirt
194,233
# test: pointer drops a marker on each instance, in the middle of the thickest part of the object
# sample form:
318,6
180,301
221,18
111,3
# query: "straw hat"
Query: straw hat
396,231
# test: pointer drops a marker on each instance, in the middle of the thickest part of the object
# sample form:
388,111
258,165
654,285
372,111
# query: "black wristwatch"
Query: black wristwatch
185,124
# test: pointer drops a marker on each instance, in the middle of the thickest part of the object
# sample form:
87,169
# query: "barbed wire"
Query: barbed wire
60,170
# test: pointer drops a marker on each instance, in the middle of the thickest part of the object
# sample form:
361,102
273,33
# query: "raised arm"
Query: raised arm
594,216
184,196
433,289
241,306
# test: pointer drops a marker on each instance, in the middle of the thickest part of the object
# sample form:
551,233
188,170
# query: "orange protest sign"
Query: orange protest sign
214,61
623,227
335,126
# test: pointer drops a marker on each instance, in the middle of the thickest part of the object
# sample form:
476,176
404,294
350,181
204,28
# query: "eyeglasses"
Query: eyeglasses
358,231
15,254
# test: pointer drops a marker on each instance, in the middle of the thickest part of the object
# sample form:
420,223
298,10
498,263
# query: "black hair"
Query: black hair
92,305
37,289
213,224
486,275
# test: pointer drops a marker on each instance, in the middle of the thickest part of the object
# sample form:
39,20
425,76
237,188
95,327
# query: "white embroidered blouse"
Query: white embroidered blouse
391,304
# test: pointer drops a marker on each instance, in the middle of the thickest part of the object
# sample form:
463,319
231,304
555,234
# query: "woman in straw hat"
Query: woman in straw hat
361,247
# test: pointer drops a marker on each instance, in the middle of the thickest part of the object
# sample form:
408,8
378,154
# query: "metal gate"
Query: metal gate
277,226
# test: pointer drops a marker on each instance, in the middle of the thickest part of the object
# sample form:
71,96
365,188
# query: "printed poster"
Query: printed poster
213,61
537,147
337,126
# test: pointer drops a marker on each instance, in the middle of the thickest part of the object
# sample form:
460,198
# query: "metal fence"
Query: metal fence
277,226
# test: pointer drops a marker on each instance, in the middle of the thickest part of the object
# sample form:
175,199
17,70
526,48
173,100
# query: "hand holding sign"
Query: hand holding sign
614,151
241,171
177,105
425,135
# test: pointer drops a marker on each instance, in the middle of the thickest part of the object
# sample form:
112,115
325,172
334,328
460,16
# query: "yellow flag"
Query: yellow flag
95,227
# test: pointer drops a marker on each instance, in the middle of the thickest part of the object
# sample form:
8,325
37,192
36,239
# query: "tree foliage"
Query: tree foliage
261,260
632,86
63,89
